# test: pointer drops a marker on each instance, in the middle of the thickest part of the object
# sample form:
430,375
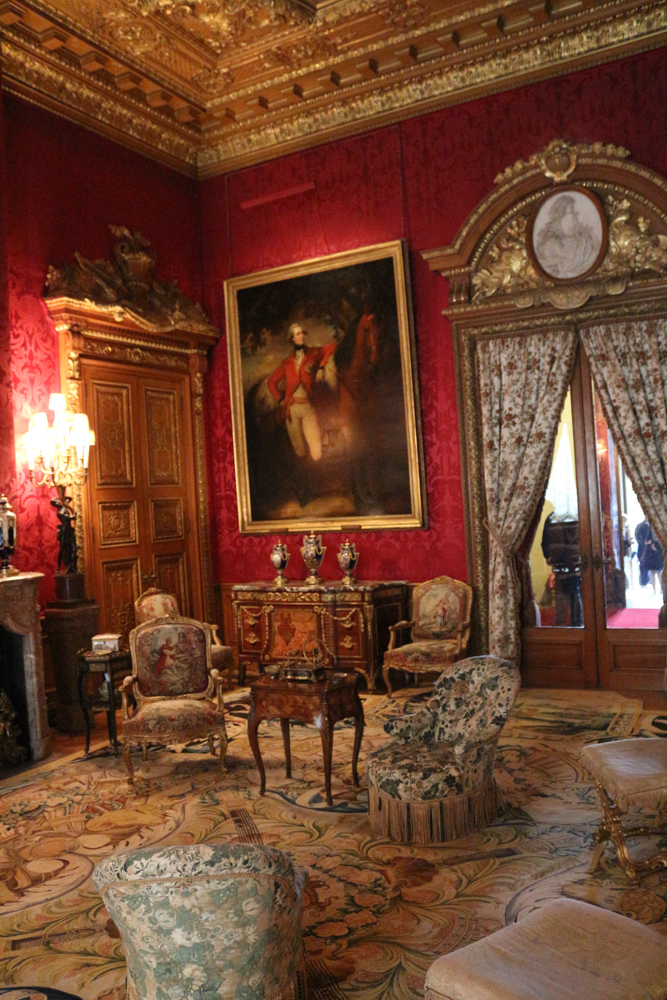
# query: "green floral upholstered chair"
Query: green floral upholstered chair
434,781
440,629
178,693
155,603
207,921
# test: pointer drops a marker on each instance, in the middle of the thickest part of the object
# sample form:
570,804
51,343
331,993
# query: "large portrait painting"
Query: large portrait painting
324,395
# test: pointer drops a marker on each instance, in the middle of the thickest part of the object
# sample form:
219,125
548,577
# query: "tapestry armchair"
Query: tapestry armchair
177,691
207,920
156,603
434,780
440,627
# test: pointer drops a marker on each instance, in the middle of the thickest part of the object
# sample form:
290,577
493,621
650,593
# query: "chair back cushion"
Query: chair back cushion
208,920
471,701
439,607
155,603
169,657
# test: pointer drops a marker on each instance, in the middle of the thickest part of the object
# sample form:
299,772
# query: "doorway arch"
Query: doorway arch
499,288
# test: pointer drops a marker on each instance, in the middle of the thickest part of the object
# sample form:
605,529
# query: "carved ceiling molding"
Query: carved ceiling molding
490,265
207,86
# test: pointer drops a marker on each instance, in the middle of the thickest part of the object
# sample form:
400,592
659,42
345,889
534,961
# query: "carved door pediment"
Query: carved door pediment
490,266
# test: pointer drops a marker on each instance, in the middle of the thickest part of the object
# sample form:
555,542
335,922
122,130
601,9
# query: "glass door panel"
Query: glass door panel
555,555
631,555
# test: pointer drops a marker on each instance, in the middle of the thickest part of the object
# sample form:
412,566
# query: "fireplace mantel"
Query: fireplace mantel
19,613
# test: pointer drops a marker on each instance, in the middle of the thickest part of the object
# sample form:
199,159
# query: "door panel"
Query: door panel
112,454
561,650
167,519
162,437
140,495
118,522
121,588
172,577
600,651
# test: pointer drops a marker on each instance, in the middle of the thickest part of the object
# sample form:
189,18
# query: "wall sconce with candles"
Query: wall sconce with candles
58,457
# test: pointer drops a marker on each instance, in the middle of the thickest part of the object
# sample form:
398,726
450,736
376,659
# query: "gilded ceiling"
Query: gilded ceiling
210,85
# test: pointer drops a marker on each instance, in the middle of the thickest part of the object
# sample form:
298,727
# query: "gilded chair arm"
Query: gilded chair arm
216,677
125,693
460,632
215,638
398,627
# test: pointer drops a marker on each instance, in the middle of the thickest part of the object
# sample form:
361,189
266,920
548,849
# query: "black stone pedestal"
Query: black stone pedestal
70,622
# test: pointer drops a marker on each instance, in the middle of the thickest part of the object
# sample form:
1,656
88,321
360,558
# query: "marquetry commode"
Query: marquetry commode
273,624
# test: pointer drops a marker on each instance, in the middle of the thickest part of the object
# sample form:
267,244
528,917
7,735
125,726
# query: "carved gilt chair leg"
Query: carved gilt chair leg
127,760
144,751
385,675
211,744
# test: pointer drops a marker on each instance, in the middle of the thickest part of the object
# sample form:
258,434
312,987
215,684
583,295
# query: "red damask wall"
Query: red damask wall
7,461
64,186
418,180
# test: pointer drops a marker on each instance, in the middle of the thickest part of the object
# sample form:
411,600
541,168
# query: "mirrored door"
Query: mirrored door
591,567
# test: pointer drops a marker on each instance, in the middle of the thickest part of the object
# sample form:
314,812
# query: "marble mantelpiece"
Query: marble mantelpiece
19,613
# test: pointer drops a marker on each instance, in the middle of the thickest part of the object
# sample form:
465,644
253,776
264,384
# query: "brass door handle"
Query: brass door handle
598,562
585,563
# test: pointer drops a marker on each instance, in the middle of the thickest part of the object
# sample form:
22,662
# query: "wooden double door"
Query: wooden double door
588,634
140,503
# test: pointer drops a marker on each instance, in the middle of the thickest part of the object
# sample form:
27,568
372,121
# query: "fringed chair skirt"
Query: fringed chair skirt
432,821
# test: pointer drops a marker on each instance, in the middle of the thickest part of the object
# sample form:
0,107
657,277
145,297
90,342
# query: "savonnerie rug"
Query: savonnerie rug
376,913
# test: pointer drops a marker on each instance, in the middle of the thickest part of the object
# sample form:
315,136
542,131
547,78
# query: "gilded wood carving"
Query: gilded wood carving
119,311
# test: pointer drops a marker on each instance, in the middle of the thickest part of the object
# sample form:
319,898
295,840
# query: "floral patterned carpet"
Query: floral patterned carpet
376,913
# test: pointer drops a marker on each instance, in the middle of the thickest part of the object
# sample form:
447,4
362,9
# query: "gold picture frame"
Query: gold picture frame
325,407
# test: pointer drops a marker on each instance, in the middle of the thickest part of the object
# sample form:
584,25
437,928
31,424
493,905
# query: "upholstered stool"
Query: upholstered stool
208,920
629,774
434,782
566,950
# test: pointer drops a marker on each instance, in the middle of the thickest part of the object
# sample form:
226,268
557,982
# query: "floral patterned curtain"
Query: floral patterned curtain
629,364
523,382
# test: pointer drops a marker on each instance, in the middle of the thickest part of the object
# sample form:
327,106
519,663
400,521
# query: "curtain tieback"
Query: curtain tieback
500,540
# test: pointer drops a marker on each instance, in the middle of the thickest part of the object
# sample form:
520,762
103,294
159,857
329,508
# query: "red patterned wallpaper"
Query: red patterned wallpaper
7,461
418,180
64,186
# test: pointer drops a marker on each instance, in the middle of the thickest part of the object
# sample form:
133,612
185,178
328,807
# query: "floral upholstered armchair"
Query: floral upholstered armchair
178,692
208,920
440,629
155,603
434,781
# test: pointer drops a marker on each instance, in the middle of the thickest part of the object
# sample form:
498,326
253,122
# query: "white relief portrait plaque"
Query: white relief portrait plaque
568,234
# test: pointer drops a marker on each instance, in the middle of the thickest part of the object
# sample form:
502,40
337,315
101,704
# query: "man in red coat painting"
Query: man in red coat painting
291,385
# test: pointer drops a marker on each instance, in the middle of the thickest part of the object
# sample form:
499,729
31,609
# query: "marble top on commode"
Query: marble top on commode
326,586
21,577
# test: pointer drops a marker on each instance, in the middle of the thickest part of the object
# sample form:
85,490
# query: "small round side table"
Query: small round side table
111,666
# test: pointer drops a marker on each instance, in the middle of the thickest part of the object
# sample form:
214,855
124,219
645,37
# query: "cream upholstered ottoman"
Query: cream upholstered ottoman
566,950
629,774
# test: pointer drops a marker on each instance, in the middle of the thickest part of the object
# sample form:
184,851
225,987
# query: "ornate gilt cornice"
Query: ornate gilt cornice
213,85
490,264
126,290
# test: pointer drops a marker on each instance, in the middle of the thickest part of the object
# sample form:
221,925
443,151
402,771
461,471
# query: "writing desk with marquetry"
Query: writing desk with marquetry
322,703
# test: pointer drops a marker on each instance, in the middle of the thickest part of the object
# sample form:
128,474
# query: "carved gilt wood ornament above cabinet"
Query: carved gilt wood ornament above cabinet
133,354
506,277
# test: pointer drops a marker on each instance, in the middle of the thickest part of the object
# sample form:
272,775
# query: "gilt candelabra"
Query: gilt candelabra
58,457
